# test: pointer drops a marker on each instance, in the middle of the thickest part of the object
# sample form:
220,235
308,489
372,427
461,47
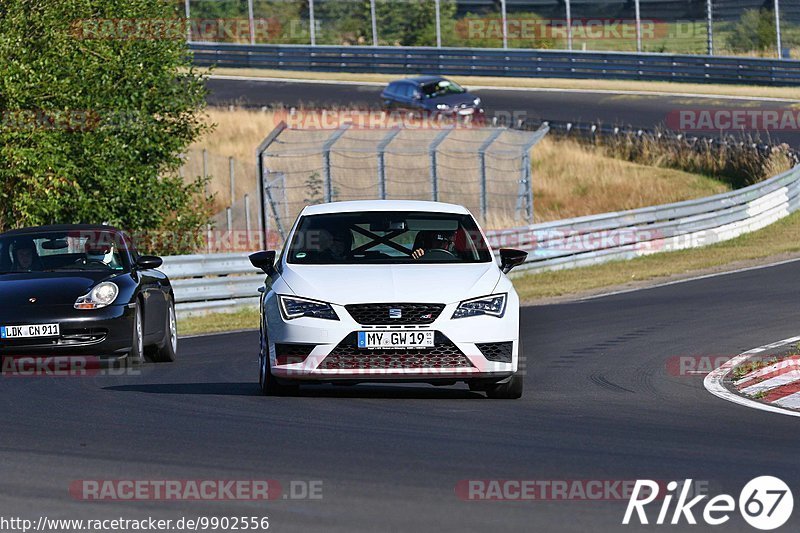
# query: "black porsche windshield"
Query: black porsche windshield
62,251
387,237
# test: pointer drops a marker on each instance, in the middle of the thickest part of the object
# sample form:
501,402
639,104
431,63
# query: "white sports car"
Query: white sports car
389,291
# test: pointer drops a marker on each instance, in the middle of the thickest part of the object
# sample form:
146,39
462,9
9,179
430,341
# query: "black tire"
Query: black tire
168,350
510,390
267,383
137,355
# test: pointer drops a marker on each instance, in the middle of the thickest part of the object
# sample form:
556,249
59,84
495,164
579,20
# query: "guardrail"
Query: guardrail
501,62
221,282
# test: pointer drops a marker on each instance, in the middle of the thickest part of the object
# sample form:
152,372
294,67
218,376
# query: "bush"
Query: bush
92,129
755,31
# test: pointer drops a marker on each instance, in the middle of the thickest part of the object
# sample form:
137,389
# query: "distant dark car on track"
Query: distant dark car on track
431,95
83,290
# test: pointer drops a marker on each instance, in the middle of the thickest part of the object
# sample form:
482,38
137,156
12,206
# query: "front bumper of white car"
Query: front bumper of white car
465,349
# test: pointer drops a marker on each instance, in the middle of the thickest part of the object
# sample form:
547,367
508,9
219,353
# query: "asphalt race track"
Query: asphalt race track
639,111
599,405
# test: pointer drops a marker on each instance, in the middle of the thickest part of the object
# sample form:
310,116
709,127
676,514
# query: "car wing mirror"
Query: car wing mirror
146,262
510,258
264,260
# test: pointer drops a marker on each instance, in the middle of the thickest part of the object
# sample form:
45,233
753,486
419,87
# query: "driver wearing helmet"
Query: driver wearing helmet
433,240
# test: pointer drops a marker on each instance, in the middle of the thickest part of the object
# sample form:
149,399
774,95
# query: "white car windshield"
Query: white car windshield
387,237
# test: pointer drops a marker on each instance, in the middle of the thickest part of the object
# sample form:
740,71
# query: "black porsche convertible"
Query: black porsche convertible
83,290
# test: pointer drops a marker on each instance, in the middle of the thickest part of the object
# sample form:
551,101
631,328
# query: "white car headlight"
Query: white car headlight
294,307
477,101
442,107
101,295
494,305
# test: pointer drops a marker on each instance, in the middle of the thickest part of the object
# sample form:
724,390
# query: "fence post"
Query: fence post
312,29
505,23
252,21
229,219
374,19
263,219
482,156
188,10
638,26
525,190
247,225
432,149
437,7
710,27
232,174
382,163
326,159
568,5
778,39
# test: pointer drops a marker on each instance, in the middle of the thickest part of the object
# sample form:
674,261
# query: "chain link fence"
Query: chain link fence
721,27
488,170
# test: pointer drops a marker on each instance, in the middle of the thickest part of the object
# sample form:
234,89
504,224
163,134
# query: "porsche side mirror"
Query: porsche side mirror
264,260
510,258
146,262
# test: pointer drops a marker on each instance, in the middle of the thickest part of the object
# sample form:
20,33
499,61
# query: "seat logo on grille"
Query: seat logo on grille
395,313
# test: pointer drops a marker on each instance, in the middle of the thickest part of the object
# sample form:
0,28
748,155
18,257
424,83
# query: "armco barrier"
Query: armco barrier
227,281
501,62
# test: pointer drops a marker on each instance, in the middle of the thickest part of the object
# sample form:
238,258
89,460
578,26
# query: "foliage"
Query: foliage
92,128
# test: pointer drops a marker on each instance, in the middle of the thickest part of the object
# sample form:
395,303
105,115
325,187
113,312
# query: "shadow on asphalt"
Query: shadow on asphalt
312,391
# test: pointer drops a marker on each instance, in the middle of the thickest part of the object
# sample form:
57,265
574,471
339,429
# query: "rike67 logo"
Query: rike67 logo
765,503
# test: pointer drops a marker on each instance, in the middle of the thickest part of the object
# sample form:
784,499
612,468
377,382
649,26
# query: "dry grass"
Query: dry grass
570,179
754,91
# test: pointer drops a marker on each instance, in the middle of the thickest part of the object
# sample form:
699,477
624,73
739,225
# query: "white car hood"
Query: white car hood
429,283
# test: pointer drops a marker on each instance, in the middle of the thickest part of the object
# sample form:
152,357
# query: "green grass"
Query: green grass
217,322
782,237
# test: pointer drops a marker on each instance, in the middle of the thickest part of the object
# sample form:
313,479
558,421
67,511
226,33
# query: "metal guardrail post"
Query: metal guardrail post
432,150
382,161
482,157
326,160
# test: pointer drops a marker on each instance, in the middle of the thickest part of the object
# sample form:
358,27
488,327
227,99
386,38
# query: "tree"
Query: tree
94,117
755,31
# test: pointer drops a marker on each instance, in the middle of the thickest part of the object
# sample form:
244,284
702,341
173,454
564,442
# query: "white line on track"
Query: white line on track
713,382
522,89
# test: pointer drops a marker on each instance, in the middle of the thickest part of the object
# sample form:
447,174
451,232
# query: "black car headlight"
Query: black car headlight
101,295
493,305
294,307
